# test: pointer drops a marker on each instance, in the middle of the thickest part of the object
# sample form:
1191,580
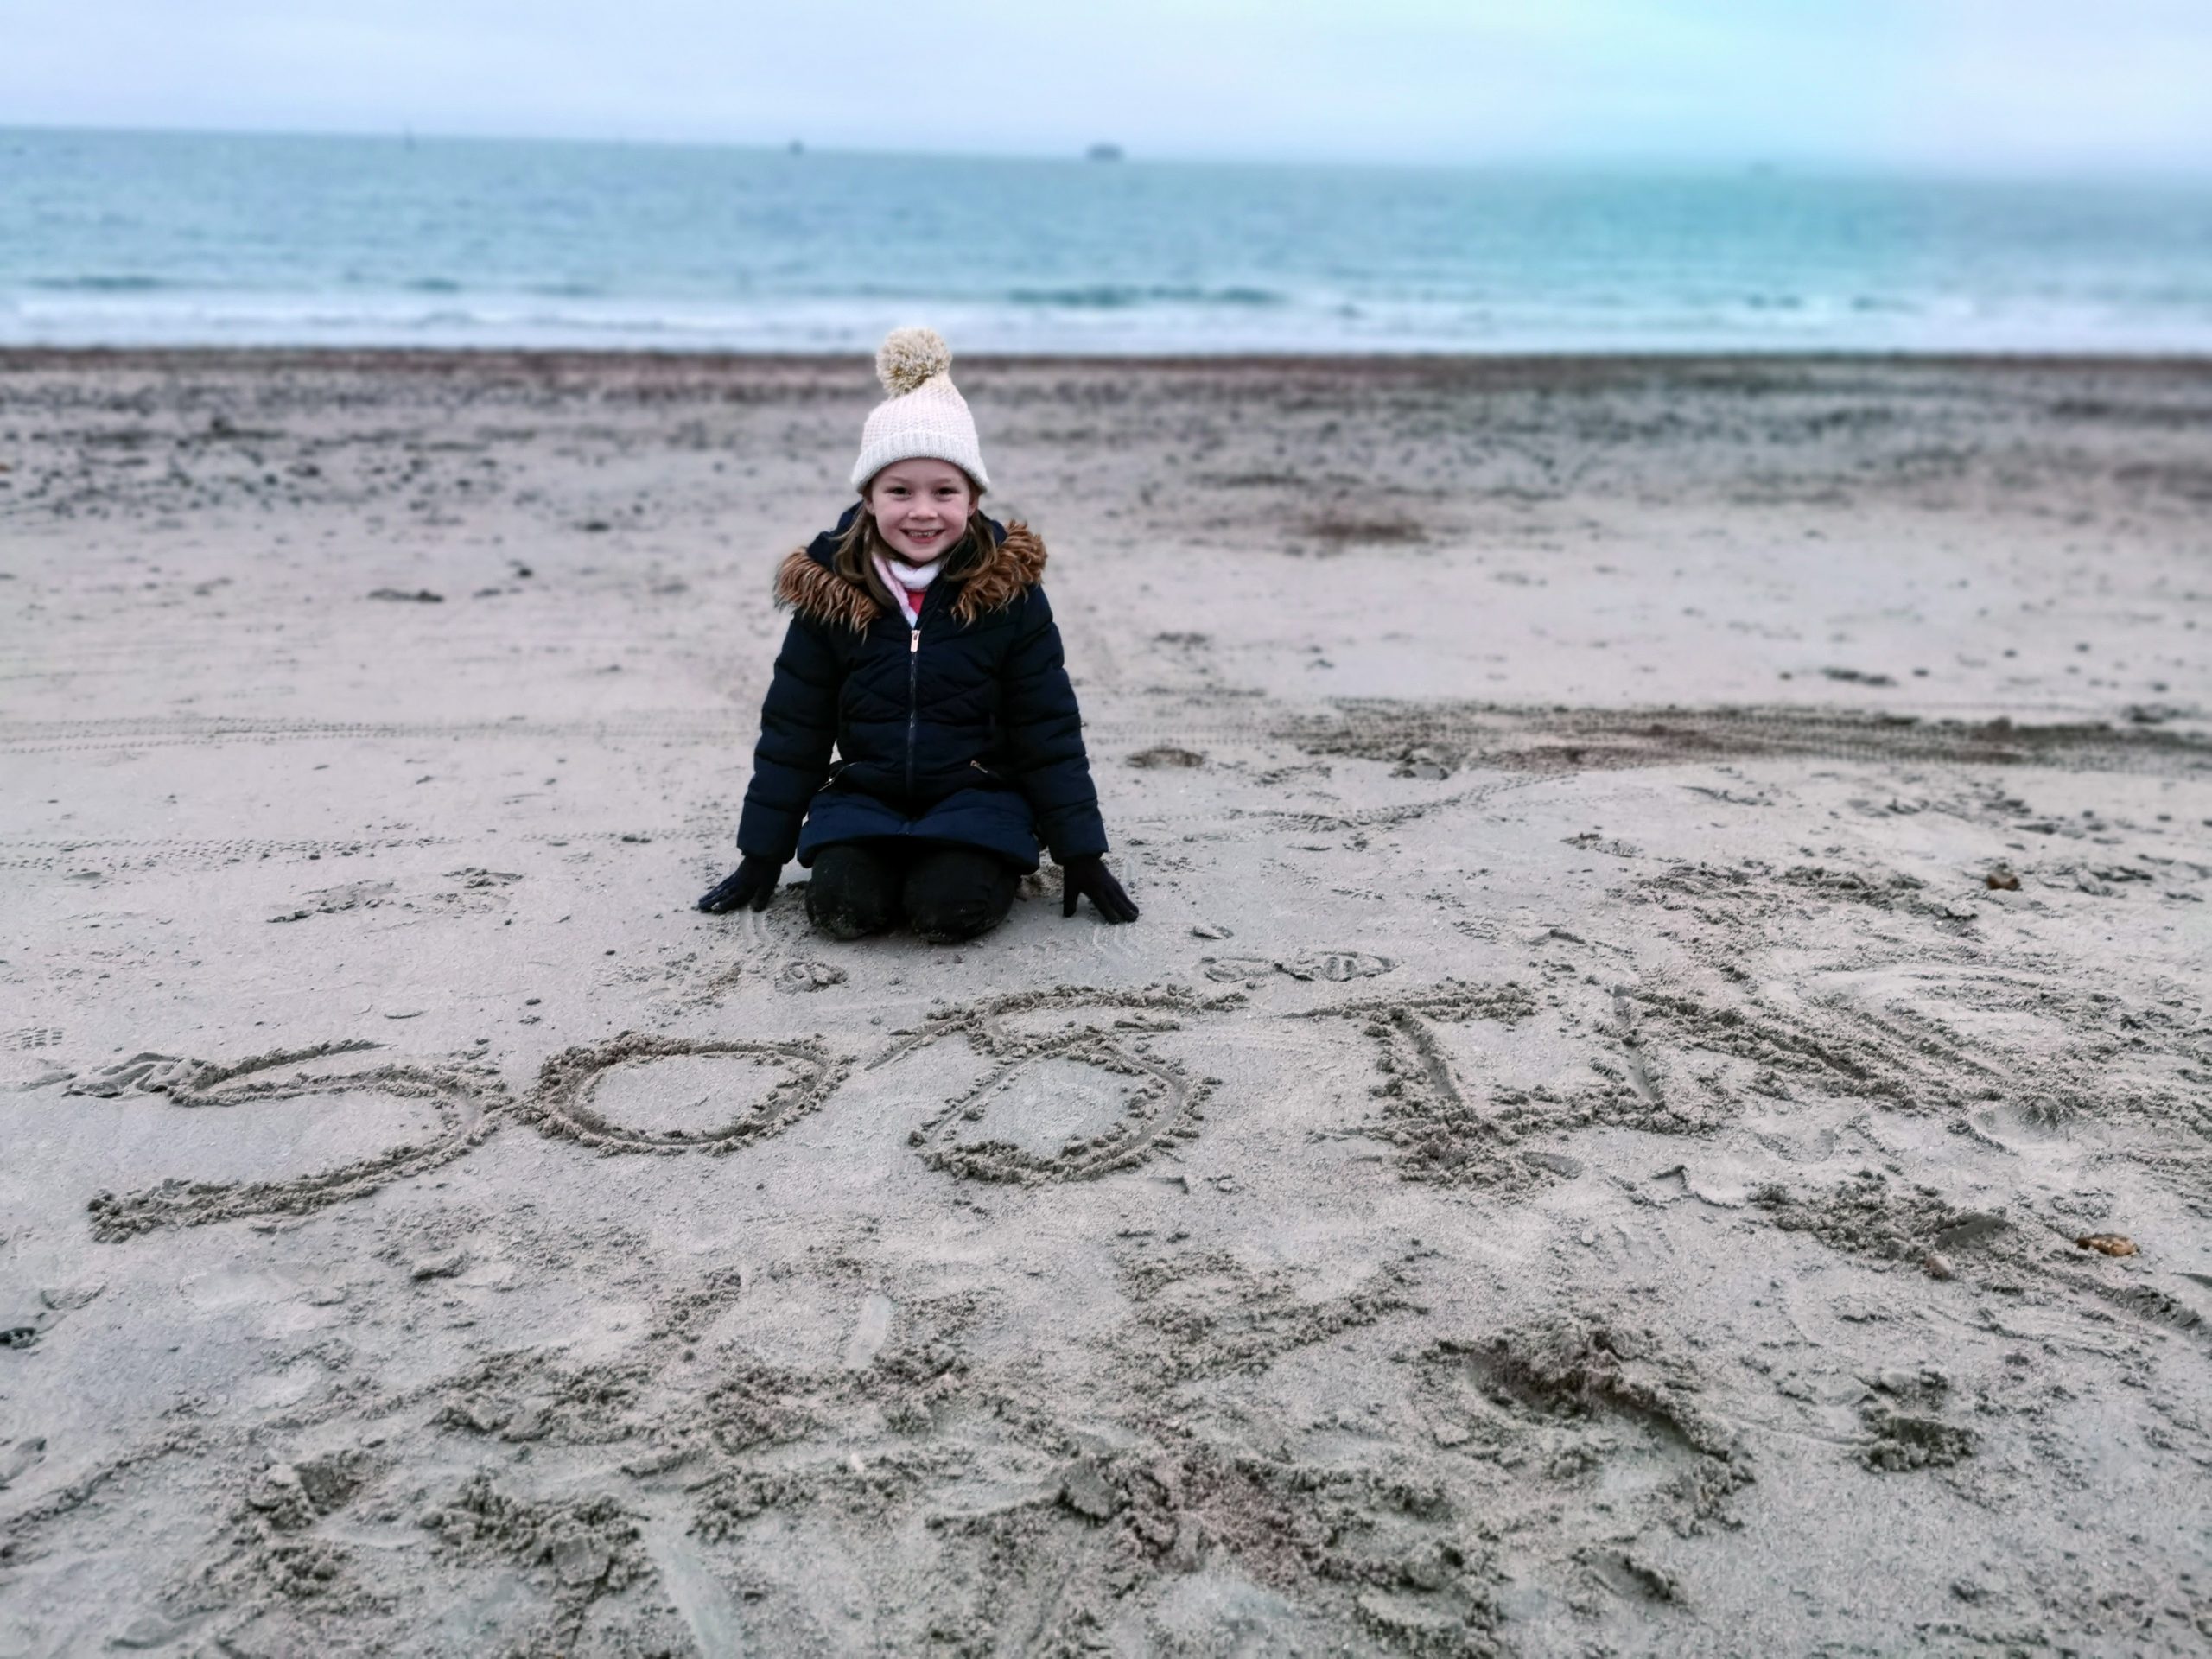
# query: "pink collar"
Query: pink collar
896,579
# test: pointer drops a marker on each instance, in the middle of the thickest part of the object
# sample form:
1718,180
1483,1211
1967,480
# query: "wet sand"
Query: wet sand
1674,901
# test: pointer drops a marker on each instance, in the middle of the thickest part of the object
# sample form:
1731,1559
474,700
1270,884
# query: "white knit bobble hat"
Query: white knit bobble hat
924,416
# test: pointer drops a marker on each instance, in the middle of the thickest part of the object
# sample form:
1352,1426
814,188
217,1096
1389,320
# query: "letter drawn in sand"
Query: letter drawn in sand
1154,1102
466,1100
563,1103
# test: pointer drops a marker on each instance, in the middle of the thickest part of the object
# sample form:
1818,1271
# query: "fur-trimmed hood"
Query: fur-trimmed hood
805,582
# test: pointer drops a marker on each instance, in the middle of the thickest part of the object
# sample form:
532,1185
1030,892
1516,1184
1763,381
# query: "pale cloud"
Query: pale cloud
1946,83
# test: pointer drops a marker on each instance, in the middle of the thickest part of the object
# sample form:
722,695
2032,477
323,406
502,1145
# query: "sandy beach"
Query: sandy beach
1661,1100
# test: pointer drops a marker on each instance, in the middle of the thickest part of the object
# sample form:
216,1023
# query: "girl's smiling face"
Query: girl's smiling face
921,507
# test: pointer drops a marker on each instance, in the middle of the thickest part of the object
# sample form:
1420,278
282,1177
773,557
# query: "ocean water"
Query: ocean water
136,239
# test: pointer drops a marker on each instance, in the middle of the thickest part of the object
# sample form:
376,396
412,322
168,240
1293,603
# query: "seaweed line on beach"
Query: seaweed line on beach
1449,736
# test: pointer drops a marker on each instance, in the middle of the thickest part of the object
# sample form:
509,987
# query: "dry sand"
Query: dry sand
1576,1159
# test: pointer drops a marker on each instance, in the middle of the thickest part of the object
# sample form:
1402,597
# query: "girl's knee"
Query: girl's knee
842,919
952,921
957,896
852,893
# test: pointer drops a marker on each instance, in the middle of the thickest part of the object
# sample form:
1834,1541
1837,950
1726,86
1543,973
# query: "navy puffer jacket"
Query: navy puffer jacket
963,729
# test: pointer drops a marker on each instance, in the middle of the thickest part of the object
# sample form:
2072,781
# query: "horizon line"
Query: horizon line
1779,164
11,356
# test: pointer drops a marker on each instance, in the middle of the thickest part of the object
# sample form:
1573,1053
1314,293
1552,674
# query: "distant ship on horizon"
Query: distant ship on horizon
1103,153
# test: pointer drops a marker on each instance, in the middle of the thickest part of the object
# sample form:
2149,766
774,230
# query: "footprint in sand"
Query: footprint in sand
142,1074
1335,966
22,1323
18,1459
798,975
1231,969
335,901
870,1330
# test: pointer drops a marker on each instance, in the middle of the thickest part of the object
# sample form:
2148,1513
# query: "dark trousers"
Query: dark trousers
946,893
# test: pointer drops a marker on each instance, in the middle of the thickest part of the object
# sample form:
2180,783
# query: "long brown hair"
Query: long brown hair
853,559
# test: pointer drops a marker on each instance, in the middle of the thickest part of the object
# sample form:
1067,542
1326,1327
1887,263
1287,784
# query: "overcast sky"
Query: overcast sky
1980,84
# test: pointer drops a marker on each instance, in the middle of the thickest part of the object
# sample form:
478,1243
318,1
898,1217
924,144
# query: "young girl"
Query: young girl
921,644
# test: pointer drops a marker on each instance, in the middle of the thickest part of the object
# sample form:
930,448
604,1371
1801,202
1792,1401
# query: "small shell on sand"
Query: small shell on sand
2107,1243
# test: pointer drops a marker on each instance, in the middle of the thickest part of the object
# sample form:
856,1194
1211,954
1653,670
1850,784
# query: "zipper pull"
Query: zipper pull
914,640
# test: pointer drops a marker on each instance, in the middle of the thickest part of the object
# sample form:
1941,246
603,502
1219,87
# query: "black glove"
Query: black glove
1089,875
750,883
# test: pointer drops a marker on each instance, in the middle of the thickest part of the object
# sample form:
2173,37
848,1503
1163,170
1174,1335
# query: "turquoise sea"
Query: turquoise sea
137,239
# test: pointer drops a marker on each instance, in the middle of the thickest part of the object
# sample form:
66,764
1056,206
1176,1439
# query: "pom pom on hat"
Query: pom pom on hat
925,415
910,356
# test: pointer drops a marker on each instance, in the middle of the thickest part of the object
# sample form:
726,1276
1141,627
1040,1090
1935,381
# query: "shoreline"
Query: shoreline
20,358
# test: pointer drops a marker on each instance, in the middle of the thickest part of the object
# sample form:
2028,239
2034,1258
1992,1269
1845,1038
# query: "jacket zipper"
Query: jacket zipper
914,706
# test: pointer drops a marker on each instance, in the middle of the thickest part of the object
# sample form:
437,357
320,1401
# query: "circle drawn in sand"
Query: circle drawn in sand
1159,1102
465,1099
562,1105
